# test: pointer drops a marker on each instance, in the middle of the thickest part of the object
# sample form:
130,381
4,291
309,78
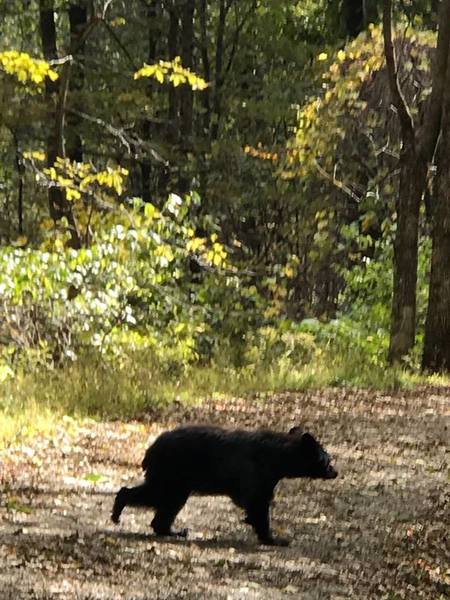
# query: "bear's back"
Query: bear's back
210,459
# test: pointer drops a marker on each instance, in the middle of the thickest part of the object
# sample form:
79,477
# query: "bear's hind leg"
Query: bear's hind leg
135,496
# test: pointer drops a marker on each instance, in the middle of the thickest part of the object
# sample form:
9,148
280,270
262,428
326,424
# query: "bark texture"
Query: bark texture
436,354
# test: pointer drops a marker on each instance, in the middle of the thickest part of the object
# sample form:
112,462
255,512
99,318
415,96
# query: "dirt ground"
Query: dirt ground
378,531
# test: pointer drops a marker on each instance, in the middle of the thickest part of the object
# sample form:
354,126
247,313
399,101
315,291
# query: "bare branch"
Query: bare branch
126,140
337,183
60,61
112,130
105,8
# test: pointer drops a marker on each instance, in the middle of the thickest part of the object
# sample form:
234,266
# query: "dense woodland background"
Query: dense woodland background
284,219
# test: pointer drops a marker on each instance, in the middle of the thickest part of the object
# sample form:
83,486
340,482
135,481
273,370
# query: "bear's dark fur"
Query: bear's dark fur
246,466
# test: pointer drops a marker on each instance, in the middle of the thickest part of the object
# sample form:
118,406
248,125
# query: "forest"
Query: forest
237,213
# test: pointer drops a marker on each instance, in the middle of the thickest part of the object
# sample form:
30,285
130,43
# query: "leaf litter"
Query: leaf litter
378,531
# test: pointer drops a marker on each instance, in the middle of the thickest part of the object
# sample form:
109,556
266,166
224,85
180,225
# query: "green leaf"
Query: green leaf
94,477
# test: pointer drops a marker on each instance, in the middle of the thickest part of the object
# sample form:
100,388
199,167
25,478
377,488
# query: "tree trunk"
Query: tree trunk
48,39
354,16
56,94
153,16
218,79
413,174
172,48
436,353
77,21
20,174
186,93
205,96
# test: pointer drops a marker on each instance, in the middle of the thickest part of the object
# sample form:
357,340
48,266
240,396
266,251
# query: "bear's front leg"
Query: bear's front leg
258,518
165,515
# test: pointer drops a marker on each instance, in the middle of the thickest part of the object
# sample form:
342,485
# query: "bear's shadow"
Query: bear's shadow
246,546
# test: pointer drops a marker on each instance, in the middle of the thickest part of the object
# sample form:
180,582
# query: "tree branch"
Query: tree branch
116,38
337,183
398,100
237,32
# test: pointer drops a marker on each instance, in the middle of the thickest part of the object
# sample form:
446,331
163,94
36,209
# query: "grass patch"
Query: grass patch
35,402
26,421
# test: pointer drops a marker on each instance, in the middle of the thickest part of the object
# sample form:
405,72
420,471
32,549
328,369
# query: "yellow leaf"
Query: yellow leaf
20,242
289,272
38,155
118,22
52,75
72,194
217,260
194,244
47,224
58,245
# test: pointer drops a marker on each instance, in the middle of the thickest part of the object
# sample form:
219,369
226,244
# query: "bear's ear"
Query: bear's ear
309,440
297,430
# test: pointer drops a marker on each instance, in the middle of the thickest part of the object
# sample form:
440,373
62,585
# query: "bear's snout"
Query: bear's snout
331,473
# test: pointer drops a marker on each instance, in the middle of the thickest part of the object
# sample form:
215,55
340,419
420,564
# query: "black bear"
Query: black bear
244,465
